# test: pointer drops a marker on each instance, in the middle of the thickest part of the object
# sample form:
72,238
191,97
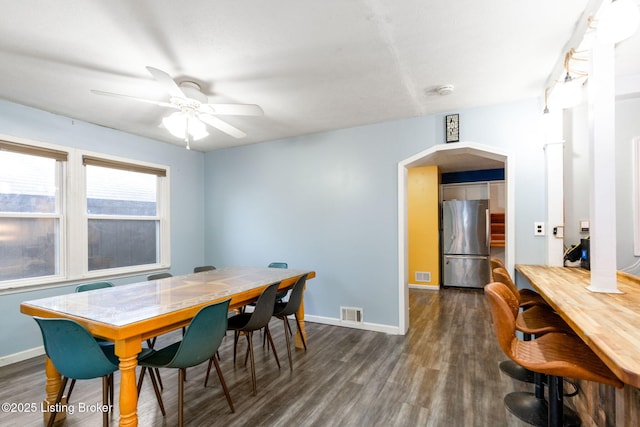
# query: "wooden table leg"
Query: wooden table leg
54,381
301,332
128,351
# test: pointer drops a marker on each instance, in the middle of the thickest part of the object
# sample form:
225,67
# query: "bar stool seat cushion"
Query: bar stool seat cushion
528,298
539,320
564,356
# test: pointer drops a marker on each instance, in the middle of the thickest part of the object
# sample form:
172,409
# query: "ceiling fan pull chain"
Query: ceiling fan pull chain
187,134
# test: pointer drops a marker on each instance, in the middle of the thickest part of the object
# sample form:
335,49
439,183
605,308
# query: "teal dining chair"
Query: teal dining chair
155,376
77,355
85,287
92,286
280,295
152,341
278,265
282,310
199,344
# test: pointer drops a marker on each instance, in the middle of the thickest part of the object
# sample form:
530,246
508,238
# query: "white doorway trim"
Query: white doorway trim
429,157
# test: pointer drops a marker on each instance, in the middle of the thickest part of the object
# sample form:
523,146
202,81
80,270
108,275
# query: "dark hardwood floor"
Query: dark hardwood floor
444,372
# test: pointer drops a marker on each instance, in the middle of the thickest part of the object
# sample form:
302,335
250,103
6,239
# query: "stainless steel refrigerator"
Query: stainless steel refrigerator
465,243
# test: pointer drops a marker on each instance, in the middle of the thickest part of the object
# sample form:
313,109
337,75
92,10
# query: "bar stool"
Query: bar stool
528,297
509,367
536,321
555,354
496,263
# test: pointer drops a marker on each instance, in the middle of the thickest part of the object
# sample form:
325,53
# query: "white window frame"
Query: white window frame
60,171
73,253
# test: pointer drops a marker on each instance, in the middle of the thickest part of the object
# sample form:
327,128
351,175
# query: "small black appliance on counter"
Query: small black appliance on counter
584,258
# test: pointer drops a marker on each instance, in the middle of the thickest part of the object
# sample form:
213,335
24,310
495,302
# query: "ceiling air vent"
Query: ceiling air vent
423,276
351,314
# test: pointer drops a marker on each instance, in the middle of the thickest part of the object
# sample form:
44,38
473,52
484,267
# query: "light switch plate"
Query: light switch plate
584,226
538,228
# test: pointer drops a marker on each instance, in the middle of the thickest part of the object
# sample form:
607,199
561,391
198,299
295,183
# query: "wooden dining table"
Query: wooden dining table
130,314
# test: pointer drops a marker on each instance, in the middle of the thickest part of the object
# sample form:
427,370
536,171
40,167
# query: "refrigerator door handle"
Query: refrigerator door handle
488,228
466,256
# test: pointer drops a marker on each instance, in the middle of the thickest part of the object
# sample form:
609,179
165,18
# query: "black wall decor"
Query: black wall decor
452,128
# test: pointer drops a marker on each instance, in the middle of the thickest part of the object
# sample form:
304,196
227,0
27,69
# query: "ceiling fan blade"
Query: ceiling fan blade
235,109
167,81
133,98
222,126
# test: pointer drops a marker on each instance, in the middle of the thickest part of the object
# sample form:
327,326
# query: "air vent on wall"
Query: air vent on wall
423,276
351,314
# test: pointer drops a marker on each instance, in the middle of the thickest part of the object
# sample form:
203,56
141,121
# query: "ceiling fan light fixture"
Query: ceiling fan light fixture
195,112
569,93
182,125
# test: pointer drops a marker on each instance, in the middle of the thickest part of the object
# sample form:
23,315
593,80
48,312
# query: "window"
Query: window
29,215
67,215
123,223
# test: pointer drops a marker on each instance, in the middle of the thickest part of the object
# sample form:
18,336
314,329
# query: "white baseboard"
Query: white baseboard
426,287
391,330
20,356
376,327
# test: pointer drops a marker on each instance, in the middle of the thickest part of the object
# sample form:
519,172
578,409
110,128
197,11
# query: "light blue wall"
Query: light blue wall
19,332
328,202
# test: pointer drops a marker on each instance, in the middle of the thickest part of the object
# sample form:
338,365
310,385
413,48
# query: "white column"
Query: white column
602,201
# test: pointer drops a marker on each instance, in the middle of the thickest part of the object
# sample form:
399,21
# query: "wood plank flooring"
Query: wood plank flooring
444,372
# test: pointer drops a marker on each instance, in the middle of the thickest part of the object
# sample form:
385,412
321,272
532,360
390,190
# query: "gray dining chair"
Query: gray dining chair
159,276
247,323
282,310
203,268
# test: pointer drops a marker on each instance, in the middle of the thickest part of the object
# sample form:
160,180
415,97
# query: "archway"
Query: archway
460,154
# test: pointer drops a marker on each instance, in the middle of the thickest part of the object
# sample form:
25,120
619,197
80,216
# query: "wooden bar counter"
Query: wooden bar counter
608,323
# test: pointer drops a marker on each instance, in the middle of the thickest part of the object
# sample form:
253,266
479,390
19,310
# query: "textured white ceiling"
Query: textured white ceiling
311,65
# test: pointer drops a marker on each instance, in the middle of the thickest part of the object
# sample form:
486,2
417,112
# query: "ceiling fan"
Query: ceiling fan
194,109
